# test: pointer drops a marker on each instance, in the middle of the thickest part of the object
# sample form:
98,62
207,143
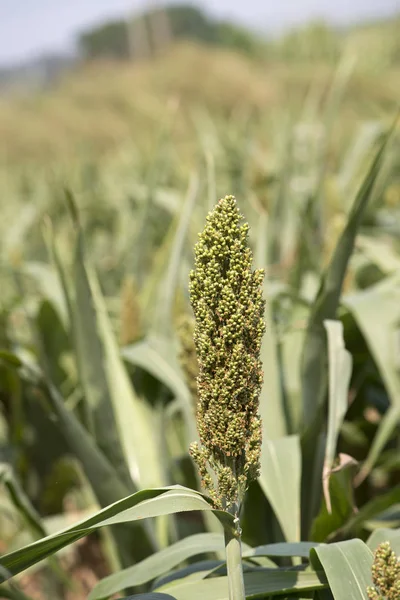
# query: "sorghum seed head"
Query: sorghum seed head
226,297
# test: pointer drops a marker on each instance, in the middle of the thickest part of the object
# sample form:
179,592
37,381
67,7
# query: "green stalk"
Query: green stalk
233,550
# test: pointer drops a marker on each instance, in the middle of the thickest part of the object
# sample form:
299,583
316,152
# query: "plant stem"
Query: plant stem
234,567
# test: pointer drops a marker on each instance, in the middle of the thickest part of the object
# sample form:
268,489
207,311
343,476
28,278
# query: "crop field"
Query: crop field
106,181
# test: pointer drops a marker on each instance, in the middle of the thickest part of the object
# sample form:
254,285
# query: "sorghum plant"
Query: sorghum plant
226,297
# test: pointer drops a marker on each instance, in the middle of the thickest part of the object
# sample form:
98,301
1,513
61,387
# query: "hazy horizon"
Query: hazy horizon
30,28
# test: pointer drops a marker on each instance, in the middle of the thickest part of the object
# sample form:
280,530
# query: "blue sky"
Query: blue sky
29,27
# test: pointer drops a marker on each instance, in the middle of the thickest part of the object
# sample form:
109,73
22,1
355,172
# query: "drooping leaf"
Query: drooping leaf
156,356
141,505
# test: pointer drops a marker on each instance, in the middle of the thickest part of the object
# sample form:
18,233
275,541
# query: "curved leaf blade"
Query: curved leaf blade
153,355
132,415
347,566
142,505
258,584
289,549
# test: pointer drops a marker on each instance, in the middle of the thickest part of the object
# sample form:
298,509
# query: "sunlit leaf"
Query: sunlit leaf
278,458
347,566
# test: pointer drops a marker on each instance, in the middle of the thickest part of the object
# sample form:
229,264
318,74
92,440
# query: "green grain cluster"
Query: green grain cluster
385,574
226,297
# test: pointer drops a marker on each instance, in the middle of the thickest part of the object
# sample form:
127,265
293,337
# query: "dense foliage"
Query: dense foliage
100,218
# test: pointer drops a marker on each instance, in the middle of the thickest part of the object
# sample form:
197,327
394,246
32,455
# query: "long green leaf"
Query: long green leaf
100,418
282,549
21,501
272,407
54,340
258,584
278,458
271,399
347,566
157,564
200,569
292,343
142,505
168,286
132,415
103,478
340,363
